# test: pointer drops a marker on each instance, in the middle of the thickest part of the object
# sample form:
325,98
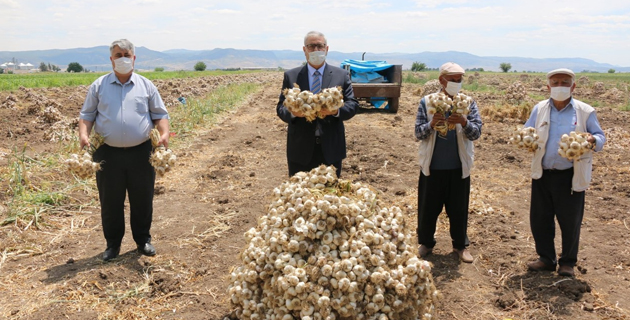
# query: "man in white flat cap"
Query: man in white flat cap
559,184
445,163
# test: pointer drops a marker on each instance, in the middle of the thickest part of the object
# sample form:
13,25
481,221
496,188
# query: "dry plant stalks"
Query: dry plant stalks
573,145
525,138
309,104
328,249
161,159
82,165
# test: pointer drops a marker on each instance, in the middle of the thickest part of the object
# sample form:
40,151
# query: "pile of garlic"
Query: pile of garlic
161,159
525,138
573,145
309,104
83,166
327,249
460,105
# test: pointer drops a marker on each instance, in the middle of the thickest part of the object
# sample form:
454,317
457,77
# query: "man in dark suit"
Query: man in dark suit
322,141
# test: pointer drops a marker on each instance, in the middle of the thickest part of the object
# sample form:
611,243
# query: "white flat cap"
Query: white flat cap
561,71
451,68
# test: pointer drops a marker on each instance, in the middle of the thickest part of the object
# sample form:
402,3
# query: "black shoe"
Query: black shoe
146,249
111,253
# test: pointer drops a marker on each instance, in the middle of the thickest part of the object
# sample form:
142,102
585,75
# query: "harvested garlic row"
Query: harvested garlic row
525,138
573,145
328,249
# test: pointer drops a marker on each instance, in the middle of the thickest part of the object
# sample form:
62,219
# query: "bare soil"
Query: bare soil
222,185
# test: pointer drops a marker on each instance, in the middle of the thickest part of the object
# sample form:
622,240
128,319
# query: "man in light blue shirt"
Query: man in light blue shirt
123,107
559,184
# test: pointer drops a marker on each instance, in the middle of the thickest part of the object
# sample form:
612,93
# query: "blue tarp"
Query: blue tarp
366,71
366,65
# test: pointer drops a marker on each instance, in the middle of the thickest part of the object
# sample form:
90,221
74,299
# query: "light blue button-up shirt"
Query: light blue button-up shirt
561,122
123,113
311,75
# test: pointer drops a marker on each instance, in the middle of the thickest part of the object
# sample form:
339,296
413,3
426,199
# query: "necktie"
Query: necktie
317,85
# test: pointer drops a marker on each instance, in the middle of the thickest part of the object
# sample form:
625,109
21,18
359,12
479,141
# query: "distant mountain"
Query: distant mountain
97,59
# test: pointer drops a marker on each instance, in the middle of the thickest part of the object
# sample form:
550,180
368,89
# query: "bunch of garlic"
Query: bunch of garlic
328,249
302,102
573,145
525,138
82,166
161,159
439,103
460,105
309,104
330,99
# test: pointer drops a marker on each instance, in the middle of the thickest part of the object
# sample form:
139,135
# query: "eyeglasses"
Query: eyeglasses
318,46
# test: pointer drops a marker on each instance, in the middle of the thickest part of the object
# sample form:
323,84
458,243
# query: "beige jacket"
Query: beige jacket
582,167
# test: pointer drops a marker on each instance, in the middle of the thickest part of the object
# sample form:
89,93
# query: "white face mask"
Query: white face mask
123,65
316,58
560,93
452,88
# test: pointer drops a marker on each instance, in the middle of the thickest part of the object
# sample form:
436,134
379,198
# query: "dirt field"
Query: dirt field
223,182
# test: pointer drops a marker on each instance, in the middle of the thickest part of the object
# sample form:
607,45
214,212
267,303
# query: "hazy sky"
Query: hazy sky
597,30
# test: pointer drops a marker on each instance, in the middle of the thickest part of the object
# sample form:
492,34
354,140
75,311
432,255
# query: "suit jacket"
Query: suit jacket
301,133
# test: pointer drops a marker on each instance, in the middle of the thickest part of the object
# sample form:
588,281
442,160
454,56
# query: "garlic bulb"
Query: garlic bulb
82,166
311,258
525,138
573,145
161,159
460,105
309,104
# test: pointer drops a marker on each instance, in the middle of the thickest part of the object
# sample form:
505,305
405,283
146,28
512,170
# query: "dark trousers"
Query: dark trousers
443,188
125,170
552,197
316,161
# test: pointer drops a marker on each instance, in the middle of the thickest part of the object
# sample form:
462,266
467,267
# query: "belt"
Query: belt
557,170
124,148
318,140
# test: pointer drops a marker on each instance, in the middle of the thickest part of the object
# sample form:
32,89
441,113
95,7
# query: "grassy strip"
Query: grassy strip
201,112
9,82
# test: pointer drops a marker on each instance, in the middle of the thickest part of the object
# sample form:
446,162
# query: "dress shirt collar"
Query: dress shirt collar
114,79
570,104
312,70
